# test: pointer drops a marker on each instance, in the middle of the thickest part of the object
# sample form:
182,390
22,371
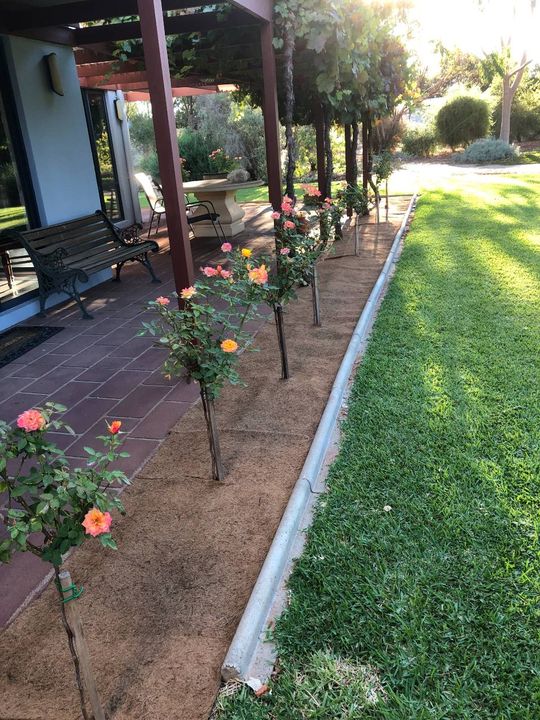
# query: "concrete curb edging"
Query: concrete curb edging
252,623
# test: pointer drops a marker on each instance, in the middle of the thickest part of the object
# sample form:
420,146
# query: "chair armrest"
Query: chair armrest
208,205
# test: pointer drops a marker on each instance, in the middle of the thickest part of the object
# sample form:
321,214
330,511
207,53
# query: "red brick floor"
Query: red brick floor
100,370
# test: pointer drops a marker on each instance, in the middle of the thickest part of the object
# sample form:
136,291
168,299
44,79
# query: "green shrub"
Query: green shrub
462,120
524,122
419,142
487,151
195,149
249,127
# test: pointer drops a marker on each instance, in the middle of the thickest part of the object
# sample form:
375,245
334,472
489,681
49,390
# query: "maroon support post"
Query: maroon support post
270,112
159,85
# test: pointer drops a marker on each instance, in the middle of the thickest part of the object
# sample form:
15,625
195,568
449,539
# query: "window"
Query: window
102,150
17,202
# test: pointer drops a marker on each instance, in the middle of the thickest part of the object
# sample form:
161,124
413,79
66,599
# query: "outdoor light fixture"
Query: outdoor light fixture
119,109
55,79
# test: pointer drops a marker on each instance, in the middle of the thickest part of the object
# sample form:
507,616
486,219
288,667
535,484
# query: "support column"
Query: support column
271,119
159,85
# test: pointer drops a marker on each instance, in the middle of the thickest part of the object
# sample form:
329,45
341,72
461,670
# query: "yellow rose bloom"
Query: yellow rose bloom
246,252
229,346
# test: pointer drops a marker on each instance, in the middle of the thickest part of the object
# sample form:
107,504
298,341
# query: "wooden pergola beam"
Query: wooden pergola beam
72,13
176,25
260,9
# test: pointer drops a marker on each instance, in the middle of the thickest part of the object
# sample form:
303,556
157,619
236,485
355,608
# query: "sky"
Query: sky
460,23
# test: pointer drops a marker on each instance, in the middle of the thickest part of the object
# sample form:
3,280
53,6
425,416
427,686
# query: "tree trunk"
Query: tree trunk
509,90
288,55
354,153
319,135
506,109
329,160
365,151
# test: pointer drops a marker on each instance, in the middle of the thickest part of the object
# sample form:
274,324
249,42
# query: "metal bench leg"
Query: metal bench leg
76,296
143,259
42,301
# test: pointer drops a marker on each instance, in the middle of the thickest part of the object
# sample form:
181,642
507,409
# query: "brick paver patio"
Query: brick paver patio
100,370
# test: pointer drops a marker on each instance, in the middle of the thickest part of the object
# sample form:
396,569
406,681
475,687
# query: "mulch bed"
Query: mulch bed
160,612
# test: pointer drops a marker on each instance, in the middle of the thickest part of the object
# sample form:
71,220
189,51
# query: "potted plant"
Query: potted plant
220,164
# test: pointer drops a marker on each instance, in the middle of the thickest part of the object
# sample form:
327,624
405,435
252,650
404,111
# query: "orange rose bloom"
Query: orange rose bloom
114,427
188,293
259,275
96,522
229,346
31,420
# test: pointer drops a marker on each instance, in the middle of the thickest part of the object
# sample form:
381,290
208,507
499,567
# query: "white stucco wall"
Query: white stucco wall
54,130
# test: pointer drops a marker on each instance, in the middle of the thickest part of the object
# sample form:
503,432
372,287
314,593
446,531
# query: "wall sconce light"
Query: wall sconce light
119,109
53,70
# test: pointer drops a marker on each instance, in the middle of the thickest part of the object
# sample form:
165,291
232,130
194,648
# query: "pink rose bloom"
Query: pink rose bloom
285,251
328,200
326,206
31,420
226,247
96,522
286,208
209,271
226,274
276,216
162,300
289,224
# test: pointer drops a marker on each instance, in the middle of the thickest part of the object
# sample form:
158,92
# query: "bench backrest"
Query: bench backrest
81,236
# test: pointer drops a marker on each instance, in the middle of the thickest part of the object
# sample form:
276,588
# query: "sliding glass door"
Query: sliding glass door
102,150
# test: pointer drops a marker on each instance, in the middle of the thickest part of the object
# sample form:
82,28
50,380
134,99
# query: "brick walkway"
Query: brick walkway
100,370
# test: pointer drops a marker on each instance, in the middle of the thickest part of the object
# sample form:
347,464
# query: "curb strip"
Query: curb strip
252,623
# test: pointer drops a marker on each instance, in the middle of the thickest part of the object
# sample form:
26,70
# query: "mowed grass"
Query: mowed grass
418,596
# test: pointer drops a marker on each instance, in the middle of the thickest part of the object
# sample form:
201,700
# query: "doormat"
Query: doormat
19,340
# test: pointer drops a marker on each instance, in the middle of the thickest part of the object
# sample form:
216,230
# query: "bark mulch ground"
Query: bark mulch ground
160,612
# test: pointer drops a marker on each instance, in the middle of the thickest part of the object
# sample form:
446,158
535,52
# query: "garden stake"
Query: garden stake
280,328
77,645
218,472
315,296
356,236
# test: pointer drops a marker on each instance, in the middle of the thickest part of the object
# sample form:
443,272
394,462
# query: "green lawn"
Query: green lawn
430,609
11,217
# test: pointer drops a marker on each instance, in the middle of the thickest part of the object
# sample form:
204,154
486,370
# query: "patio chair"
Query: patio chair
155,202
192,219
154,194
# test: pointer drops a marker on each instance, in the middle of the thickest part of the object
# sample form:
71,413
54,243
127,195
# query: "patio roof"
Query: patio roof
64,23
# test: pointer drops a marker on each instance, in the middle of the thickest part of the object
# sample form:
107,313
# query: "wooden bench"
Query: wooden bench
71,251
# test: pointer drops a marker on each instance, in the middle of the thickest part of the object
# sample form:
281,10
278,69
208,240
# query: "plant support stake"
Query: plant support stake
218,472
315,296
356,236
280,328
77,645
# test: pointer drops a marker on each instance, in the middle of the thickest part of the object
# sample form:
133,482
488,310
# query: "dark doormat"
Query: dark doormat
19,340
